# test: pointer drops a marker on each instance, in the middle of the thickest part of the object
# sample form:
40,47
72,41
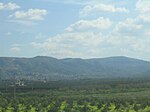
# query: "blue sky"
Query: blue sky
75,28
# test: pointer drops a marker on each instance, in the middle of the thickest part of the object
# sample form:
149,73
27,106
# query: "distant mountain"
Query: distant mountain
42,67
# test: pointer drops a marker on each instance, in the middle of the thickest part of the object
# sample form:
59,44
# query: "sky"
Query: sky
75,28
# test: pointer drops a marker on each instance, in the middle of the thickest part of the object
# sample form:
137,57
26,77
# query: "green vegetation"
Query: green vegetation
53,69
99,95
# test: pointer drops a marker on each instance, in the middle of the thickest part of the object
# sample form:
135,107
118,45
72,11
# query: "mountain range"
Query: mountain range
42,67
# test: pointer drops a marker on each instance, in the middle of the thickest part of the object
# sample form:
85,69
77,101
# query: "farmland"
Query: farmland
96,95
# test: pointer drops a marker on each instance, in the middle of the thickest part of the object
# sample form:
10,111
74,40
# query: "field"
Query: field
96,95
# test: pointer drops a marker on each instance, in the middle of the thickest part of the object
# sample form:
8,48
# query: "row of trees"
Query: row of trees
47,104
116,95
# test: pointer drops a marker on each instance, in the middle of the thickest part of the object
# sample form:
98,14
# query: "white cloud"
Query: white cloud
145,17
147,33
100,23
129,27
89,44
31,14
15,49
128,44
143,8
131,36
40,36
101,8
9,6
70,44
74,38
128,37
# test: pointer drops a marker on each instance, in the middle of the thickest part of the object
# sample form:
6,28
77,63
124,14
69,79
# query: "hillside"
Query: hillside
42,67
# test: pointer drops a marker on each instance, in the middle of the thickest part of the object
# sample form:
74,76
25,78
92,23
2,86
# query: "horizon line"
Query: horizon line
115,56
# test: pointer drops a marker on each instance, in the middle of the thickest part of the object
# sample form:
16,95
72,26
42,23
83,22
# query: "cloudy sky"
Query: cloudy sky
75,28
